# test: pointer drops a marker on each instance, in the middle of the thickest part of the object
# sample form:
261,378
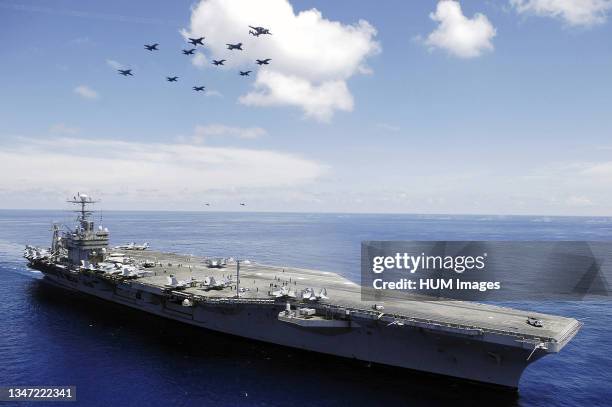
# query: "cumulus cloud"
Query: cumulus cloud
459,35
317,101
309,53
201,133
120,167
199,60
86,92
573,12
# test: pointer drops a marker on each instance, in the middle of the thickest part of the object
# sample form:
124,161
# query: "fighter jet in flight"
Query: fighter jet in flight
196,41
218,62
242,204
125,72
257,31
245,73
198,88
263,61
171,78
234,46
152,47
206,204
188,51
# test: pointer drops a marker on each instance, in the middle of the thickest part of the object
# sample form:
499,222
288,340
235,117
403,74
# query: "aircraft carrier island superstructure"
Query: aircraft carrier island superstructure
306,309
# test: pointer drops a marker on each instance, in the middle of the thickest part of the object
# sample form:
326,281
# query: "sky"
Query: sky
455,107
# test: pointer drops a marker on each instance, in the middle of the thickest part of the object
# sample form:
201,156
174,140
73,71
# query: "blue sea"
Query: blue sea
119,357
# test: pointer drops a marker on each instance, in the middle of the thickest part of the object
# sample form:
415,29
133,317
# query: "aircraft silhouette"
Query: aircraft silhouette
171,78
196,41
198,88
152,47
218,62
263,61
257,31
245,73
188,51
234,46
125,72
242,204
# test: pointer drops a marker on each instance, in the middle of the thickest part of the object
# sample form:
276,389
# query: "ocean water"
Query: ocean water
119,357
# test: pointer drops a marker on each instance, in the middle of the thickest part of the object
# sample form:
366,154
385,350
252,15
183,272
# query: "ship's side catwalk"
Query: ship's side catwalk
306,309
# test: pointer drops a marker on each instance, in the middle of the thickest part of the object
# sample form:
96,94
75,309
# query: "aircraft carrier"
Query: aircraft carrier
306,309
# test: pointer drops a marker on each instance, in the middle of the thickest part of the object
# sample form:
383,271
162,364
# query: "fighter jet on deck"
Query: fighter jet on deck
263,61
125,72
152,47
234,46
171,78
196,41
257,31
245,73
188,51
198,88
218,62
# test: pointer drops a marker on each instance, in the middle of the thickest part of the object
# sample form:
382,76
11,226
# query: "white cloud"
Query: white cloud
309,52
213,93
201,133
317,101
118,167
61,129
199,60
459,35
388,127
573,12
86,92
114,64
578,201
601,169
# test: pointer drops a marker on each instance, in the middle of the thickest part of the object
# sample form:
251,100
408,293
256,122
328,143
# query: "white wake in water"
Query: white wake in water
11,259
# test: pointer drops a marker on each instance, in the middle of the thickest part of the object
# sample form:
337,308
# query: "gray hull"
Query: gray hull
426,350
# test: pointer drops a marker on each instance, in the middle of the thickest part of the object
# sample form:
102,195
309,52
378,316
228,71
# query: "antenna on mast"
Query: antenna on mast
83,200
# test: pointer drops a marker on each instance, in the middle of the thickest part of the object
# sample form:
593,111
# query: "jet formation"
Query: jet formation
195,42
